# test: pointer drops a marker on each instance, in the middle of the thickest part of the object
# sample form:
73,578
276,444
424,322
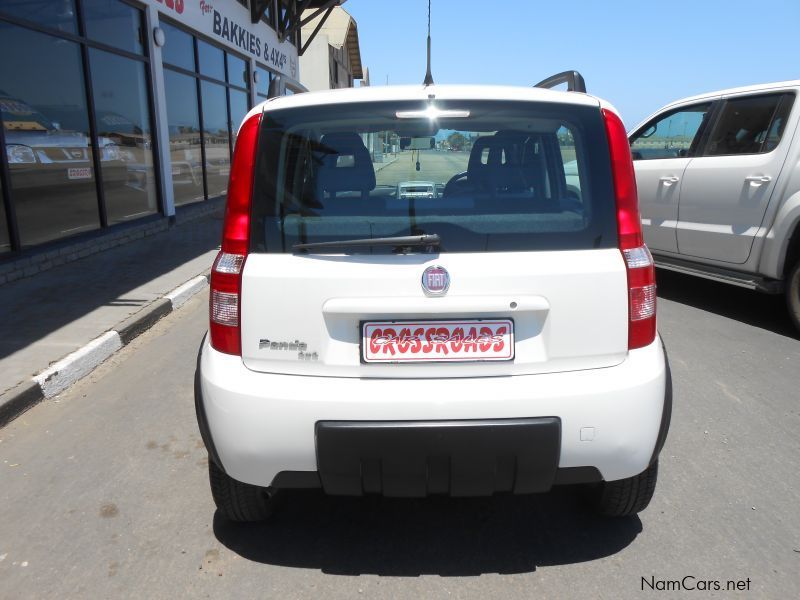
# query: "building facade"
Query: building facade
333,57
120,111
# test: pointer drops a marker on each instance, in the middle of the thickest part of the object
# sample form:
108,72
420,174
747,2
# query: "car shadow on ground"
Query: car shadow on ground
746,306
503,534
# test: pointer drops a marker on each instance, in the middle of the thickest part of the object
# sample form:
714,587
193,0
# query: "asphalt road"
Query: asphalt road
437,166
103,492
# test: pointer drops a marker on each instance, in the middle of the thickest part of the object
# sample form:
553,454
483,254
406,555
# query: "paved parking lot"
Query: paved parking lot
103,491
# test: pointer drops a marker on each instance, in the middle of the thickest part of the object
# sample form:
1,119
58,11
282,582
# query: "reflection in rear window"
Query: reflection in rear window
485,176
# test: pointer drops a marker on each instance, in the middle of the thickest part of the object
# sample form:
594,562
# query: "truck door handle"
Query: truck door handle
758,179
669,180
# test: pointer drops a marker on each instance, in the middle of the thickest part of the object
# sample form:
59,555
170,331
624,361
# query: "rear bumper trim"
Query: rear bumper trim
420,458
294,480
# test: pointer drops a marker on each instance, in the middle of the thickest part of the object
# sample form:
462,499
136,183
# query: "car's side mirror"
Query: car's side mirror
649,131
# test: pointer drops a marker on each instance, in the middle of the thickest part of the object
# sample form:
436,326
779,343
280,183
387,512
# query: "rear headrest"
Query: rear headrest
502,167
347,167
497,144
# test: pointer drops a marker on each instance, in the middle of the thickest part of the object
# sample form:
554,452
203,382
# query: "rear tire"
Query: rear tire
793,294
627,497
238,501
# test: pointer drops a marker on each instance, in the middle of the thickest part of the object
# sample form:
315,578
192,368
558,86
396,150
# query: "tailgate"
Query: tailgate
305,314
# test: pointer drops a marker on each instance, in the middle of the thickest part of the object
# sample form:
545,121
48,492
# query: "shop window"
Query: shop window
212,60
179,47
114,23
58,14
124,136
265,77
216,137
283,10
218,111
5,244
46,124
184,137
237,71
239,108
269,14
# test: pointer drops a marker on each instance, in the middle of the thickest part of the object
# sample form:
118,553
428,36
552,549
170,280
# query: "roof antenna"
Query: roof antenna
428,76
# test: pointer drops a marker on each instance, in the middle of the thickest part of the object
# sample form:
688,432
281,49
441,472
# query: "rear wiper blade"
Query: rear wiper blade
399,240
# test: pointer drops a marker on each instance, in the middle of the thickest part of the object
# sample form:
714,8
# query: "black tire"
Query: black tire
238,501
629,496
793,294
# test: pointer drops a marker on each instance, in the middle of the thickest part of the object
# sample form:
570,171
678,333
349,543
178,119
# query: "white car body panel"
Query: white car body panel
263,424
658,183
571,308
722,204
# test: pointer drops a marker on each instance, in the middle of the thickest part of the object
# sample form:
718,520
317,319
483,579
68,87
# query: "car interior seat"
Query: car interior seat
346,166
497,163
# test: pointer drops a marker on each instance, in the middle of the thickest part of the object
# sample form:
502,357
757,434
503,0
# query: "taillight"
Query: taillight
226,275
641,297
638,261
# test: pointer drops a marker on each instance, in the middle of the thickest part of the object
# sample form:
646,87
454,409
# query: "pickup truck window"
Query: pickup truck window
673,135
750,125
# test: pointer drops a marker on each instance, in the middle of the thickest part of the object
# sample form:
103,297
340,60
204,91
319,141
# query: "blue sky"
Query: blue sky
639,55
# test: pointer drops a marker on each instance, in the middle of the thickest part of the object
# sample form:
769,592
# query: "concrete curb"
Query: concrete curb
77,365
18,399
140,322
58,377
182,293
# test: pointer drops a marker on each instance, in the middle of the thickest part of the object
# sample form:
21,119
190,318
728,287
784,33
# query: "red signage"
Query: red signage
176,5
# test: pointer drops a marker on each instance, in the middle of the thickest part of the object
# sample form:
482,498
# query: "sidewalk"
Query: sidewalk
383,165
119,292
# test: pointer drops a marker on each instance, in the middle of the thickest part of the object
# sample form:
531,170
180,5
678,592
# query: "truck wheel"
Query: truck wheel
629,496
793,294
238,501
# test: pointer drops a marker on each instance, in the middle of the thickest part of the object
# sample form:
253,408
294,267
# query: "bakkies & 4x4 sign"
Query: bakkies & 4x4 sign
228,22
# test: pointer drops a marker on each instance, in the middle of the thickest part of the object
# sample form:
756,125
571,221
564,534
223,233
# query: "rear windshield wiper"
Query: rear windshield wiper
399,240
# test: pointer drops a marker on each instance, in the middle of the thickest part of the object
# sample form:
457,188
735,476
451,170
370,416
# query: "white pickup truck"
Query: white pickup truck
718,177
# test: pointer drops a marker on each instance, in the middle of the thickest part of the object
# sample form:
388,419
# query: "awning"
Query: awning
293,17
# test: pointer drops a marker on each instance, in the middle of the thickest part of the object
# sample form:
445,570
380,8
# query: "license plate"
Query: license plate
79,173
437,341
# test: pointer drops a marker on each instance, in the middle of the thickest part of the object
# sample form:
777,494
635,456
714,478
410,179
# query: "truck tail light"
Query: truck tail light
638,261
225,310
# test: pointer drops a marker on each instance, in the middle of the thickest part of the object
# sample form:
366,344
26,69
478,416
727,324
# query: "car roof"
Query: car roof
761,87
420,92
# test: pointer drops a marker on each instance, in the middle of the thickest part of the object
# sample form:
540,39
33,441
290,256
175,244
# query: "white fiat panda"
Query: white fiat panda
496,333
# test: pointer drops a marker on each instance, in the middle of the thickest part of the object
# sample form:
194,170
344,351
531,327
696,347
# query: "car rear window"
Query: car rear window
484,176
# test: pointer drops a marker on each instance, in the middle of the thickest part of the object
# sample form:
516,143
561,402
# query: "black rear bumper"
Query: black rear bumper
420,458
